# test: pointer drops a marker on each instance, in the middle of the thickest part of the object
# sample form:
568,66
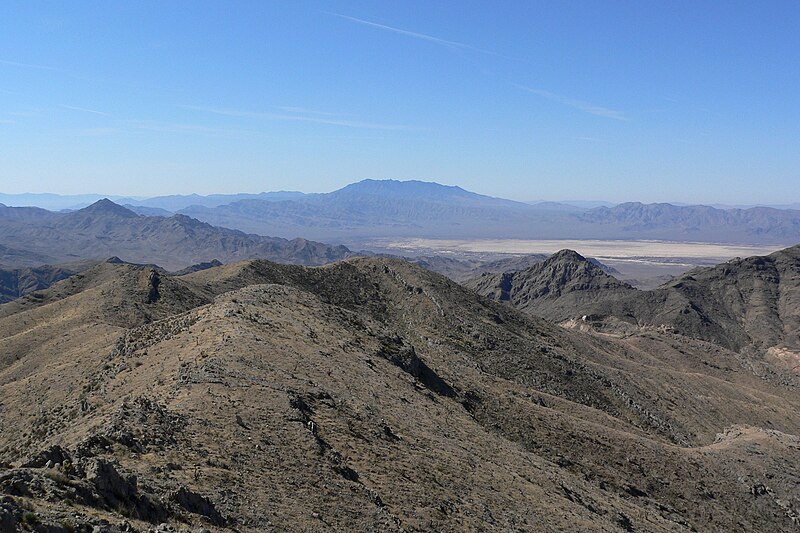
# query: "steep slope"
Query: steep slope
750,305
15,256
465,268
371,395
21,281
106,229
148,211
556,288
743,303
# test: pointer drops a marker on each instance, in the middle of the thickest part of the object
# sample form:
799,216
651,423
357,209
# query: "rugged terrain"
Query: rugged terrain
372,395
31,237
557,288
747,305
465,267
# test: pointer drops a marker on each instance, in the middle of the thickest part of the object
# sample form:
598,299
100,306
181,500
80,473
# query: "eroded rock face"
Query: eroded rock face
403,355
92,482
198,504
49,457
556,288
110,485
153,282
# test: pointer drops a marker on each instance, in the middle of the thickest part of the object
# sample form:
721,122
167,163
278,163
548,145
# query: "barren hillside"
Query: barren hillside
371,395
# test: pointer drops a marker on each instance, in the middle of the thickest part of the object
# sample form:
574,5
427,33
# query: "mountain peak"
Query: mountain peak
553,288
566,255
405,188
107,207
421,191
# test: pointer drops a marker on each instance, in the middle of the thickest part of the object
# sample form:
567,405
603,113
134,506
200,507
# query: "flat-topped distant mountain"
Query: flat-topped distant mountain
33,236
370,395
388,208
371,208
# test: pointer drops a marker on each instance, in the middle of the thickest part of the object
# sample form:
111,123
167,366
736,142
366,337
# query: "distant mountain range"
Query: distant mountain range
175,202
169,204
31,236
378,209
373,209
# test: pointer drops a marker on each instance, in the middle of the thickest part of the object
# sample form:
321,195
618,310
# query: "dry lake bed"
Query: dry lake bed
645,263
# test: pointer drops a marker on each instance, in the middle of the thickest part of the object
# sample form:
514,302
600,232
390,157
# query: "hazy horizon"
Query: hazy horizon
577,202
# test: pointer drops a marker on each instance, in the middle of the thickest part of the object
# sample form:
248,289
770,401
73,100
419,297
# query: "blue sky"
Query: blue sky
638,100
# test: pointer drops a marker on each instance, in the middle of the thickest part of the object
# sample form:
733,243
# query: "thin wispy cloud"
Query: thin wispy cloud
85,110
296,117
6,121
176,127
305,110
415,35
580,105
26,65
97,132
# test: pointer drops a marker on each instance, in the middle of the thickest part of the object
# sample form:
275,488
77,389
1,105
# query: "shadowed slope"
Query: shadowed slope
555,288
750,304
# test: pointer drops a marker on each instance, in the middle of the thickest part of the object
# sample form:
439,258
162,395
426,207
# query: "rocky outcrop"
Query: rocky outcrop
556,288
197,504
